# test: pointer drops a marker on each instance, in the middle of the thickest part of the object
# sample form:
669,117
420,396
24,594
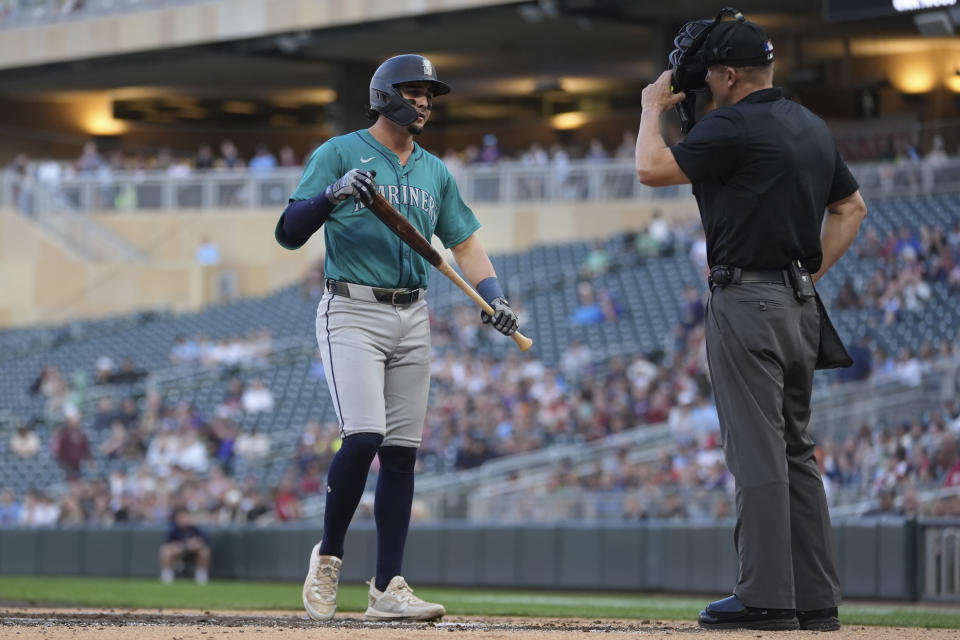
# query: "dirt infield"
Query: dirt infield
90,624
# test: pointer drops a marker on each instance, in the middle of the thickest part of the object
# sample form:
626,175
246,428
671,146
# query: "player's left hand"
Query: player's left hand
504,319
658,96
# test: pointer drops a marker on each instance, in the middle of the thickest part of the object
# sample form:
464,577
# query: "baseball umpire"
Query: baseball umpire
373,326
763,170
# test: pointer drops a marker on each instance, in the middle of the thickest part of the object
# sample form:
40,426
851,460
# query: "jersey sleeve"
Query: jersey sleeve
322,169
455,221
844,184
708,150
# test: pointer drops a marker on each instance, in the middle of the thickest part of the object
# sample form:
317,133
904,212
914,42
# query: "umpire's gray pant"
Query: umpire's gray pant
761,347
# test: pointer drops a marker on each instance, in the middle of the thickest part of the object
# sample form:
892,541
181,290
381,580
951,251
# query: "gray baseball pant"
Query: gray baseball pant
761,348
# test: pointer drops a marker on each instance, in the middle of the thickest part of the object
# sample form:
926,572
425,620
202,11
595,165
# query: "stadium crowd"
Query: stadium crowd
159,454
910,263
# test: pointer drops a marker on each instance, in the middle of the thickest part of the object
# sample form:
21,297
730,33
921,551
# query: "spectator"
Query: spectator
188,452
847,297
576,361
288,158
38,510
208,254
287,506
185,543
862,356
104,370
70,447
185,351
535,156
588,310
660,233
869,246
596,152
229,156
127,373
129,413
490,151
105,414
204,159
252,445
596,263
473,452
122,444
257,397
90,159
628,145
692,312
25,443
262,161
9,509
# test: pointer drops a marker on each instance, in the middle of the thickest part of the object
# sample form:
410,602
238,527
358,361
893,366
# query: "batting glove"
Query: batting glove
504,319
357,183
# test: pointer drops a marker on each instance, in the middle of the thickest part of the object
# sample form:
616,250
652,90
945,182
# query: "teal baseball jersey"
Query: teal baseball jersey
360,248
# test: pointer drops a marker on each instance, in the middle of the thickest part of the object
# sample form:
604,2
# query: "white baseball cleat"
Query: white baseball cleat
398,602
320,587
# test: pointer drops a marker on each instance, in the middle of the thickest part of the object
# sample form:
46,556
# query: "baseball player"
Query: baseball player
373,326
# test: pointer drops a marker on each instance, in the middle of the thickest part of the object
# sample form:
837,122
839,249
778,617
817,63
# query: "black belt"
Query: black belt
722,275
396,297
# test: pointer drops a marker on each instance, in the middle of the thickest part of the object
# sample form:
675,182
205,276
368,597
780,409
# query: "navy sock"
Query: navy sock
391,510
346,480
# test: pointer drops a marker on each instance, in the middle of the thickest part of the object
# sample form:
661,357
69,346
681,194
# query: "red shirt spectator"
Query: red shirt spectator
70,447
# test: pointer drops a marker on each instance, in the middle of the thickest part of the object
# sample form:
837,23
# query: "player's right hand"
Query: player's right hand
357,183
504,318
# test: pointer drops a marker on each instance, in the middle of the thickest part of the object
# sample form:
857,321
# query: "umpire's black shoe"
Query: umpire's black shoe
730,613
819,619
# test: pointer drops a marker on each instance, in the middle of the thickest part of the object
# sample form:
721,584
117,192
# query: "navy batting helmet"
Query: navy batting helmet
386,100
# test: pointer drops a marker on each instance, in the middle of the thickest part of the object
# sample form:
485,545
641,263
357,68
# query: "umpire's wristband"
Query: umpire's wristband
489,289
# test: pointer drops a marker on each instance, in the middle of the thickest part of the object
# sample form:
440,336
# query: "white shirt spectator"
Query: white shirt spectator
191,454
257,398
25,443
576,361
252,446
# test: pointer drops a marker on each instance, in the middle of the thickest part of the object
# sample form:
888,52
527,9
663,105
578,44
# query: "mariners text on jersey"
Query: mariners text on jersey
406,195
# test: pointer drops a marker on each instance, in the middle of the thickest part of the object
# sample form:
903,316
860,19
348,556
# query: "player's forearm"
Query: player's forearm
301,219
473,260
839,231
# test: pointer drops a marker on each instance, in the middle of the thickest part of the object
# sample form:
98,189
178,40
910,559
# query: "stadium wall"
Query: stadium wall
877,557
46,281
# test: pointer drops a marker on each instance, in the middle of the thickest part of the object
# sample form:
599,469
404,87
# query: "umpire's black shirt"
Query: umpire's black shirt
763,170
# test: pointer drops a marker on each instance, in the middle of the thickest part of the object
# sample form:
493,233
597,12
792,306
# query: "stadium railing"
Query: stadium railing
505,182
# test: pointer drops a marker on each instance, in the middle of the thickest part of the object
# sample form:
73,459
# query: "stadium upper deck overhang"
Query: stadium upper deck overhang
496,55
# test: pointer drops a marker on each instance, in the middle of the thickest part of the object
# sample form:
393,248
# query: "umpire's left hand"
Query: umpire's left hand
504,318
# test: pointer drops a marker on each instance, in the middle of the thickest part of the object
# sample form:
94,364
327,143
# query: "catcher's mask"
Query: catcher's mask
738,43
386,99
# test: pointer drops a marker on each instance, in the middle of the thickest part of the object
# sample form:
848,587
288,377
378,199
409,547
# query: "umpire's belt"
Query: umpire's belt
721,275
397,297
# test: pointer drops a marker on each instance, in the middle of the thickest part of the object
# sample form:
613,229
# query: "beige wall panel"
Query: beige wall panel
21,240
17,301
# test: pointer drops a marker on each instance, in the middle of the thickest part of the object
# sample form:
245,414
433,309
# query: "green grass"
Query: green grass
151,594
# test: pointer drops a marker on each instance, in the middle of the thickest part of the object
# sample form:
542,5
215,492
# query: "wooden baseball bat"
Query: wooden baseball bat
406,232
